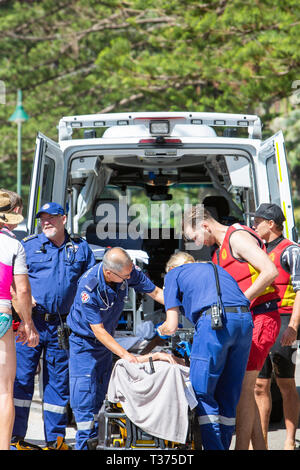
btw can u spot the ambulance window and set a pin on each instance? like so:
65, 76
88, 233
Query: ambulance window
48, 180
273, 180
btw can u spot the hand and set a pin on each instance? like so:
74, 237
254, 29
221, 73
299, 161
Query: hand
130, 357
27, 333
162, 356
33, 301
160, 334
288, 336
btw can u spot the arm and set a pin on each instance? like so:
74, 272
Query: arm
21, 297
110, 343
290, 334
291, 259
157, 295
169, 327
22, 304
244, 246
161, 356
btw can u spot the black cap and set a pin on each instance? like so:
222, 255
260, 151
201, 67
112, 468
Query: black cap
270, 212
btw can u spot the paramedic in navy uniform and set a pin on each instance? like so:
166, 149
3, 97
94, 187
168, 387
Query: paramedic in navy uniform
93, 318
219, 357
55, 263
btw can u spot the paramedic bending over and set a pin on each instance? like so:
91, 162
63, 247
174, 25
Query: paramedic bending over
13, 271
218, 357
93, 318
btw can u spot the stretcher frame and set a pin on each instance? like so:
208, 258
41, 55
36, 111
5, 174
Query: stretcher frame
118, 432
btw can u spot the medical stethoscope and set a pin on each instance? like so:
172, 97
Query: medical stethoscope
70, 250
106, 301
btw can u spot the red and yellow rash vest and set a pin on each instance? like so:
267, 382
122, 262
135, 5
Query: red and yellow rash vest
244, 273
283, 280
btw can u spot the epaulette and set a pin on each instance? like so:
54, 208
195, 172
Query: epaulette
91, 284
30, 237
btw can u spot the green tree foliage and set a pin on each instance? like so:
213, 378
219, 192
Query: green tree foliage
86, 56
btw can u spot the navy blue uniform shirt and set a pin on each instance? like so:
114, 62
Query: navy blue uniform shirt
54, 271
97, 302
193, 287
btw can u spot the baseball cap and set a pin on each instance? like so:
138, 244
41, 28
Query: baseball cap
51, 208
270, 212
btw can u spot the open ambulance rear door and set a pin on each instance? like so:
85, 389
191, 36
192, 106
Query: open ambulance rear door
46, 179
273, 162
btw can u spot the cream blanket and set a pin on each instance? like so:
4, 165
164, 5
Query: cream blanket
158, 402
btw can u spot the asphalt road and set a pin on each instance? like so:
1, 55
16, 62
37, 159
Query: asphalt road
35, 432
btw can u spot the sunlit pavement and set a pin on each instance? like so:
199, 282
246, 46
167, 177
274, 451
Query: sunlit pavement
35, 433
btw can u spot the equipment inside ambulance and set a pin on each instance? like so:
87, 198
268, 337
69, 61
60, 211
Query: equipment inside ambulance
125, 180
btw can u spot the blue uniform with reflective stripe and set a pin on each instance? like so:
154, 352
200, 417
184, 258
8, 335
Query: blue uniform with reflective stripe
90, 361
218, 357
53, 273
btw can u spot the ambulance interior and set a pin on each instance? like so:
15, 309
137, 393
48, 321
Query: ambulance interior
137, 204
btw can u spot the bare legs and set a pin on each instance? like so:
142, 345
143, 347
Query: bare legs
247, 416
7, 377
290, 400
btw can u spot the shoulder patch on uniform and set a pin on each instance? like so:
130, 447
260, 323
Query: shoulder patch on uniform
85, 297
30, 237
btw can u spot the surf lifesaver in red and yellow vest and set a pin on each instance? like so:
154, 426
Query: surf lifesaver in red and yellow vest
283, 280
244, 273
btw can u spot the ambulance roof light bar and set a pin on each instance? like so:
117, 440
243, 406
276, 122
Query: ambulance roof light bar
158, 121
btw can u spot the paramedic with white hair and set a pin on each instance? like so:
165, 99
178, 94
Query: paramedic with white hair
93, 318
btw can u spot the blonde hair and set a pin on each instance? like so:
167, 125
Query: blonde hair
179, 258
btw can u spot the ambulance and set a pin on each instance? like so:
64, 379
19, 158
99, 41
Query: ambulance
125, 179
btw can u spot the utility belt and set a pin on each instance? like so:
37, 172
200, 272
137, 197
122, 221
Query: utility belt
270, 306
63, 331
87, 338
49, 317
235, 309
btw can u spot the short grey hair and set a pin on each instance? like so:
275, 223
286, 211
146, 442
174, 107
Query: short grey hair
115, 259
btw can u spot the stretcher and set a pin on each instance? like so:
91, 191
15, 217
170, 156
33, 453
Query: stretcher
118, 432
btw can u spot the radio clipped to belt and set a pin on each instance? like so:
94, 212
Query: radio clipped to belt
216, 309
63, 333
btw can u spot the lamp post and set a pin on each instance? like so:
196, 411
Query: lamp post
19, 116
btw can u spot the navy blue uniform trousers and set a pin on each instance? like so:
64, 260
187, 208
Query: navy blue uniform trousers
218, 363
90, 368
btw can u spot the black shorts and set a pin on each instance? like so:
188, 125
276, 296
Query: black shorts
281, 359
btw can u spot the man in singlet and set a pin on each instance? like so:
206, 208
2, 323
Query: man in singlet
268, 224
13, 271
241, 253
